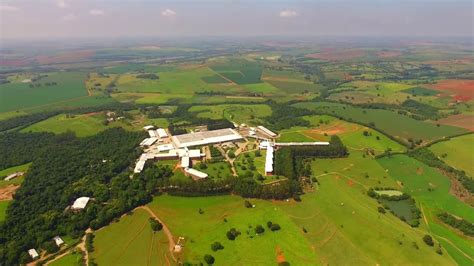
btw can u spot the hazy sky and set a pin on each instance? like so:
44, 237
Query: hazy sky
128, 18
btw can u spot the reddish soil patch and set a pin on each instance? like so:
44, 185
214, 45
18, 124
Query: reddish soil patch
14, 62
388, 54
460, 89
279, 255
460, 120
67, 57
337, 55
7, 192
348, 77
350, 183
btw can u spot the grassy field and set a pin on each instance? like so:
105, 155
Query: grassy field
3, 209
130, 241
11, 170
457, 152
18, 95
399, 126
82, 125
71, 259
239, 113
217, 169
431, 191
239, 71
201, 230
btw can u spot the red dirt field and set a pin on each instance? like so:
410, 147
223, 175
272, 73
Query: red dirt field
460, 120
14, 62
64, 57
460, 89
337, 55
388, 54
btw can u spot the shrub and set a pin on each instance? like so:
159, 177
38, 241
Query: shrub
275, 227
381, 209
232, 234
217, 246
155, 224
209, 259
428, 240
259, 229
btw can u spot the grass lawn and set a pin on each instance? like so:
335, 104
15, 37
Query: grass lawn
457, 152
71, 259
3, 209
17, 95
201, 230
130, 241
431, 191
11, 170
239, 113
217, 169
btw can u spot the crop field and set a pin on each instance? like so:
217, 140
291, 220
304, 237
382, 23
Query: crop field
130, 241
221, 213
460, 120
461, 90
290, 86
431, 191
263, 87
82, 125
71, 259
399, 126
337, 55
240, 113
457, 152
214, 79
240, 71
124, 68
16, 96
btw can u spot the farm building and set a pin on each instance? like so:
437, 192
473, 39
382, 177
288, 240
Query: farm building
206, 137
318, 143
267, 131
146, 128
58, 241
269, 161
165, 147
139, 166
14, 175
80, 203
33, 254
195, 174
161, 133
152, 133
148, 142
185, 162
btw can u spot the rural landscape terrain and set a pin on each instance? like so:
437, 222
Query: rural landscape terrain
370, 147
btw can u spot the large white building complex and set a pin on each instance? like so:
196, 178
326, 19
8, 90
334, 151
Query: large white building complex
206, 137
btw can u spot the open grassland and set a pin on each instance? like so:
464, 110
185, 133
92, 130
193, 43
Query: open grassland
239, 71
82, 125
124, 68
344, 227
243, 164
457, 152
71, 259
220, 214
130, 241
239, 113
11, 170
263, 88
460, 120
398, 126
15, 96
431, 191
217, 170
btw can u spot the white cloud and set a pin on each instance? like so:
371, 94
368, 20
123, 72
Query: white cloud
168, 13
96, 12
8, 8
69, 17
62, 3
288, 13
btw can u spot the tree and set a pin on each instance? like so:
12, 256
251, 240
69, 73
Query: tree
428, 240
381, 209
217, 246
209, 259
259, 229
248, 204
258, 153
231, 154
155, 224
275, 227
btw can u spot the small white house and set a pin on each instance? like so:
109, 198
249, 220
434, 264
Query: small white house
58, 241
80, 203
33, 254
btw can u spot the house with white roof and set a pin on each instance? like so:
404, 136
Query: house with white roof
33, 254
58, 241
80, 203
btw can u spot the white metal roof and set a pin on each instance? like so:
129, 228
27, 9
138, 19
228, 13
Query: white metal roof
185, 162
264, 145
195, 173
152, 133
206, 137
317, 143
14, 175
267, 131
161, 133
148, 141
80, 203
269, 160
194, 153
165, 147
33, 253
139, 167
58, 241
148, 127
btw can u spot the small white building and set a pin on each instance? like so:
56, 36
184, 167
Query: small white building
269, 161
149, 127
195, 174
266, 131
264, 145
58, 241
33, 254
161, 133
165, 147
139, 166
80, 203
14, 175
148, 142
185, 162
152, 133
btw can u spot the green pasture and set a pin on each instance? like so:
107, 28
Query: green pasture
239, 71
216, 170
130, 241
399, 126
262, 87
3, 209
11, 170
457, 152
71, 259
214, 79
290, 86
220, 214
125, 68
431, 191
242, 164
239, 113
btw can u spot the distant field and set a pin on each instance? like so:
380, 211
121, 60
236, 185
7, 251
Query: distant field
240, 71
460, 120
457, 152
399, 126
130, 241
239, 113
15, 96
417, 179
214, 79
182, 216
294, 87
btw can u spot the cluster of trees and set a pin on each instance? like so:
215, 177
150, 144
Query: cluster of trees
232, 234
155, 224
25, 120
426, 156
285, 116
63, 169
147, 76
464, 226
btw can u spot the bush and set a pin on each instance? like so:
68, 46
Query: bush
217, 246
232, 234
209, 259
269, 224
428, 240
381, 209
155, 224
248, 204
275, 227
259, 229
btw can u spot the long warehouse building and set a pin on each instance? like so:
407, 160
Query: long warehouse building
206, 137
